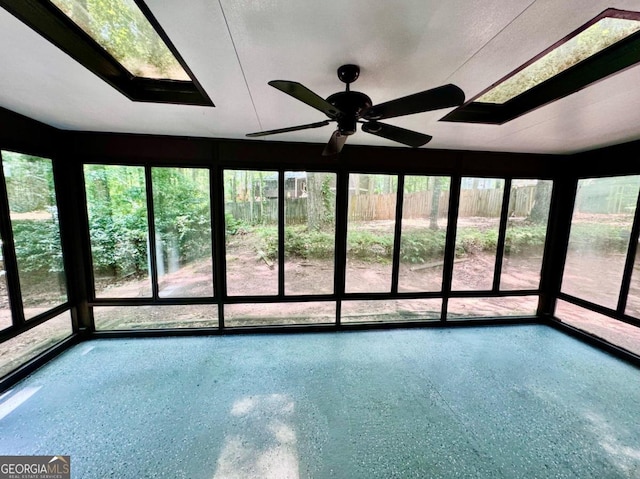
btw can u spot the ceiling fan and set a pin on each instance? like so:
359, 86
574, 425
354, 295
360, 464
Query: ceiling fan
348, 108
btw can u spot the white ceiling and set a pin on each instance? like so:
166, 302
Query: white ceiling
234, 47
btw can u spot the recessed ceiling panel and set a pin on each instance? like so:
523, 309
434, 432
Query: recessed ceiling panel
127, 35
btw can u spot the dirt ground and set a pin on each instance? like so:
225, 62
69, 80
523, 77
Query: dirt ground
250, 273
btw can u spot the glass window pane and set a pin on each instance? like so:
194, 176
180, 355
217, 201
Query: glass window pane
390, 310
251, 226
310, 204
529, 202
424, 230
119, 231
120, 27
633, 298
585, 44
616, 332
182, 216
279, 314
36, 232
469, 308
599, 239
477, 233
5, 306
156, 317
370, 232
18, 350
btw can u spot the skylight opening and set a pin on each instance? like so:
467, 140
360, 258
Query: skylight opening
122, 29
605, 45
600, 35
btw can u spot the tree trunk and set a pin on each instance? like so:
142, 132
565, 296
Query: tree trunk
320, 200
540, 211
435, 203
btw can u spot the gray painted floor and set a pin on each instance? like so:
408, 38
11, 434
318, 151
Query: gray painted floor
489, 402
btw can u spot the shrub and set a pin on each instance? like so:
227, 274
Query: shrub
369, 246
37, 246
418, 246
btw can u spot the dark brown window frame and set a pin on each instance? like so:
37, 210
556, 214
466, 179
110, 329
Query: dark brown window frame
614, 59
47, 20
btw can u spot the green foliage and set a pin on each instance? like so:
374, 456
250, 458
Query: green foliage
34, 223
116, 199
37, 246
420, 246
304, 243
328, 201
29, 181
590, 41
300, 242
268, 240
182, 213
415, 184
116, 202
520, 239
599, 237
233, 226
370, 246
470, 240
122, 30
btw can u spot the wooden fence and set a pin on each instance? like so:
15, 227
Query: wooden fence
483, 203
266, 211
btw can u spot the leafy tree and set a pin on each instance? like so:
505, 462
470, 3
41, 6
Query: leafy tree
121, 28
29, 181
182, 212
116, 202
117, 206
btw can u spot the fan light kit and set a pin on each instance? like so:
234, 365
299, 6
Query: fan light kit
348, 108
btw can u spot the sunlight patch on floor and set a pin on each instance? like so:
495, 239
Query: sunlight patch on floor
13, 401
261, 442
626, 458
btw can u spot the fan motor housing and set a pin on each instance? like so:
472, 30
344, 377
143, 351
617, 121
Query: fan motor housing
351, 103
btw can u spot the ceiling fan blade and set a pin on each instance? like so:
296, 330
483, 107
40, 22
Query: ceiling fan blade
302, 93
441, 97
291, 128
395, 133
336, 142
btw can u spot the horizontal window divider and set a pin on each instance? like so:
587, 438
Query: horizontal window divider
96, 302
151, 302
612, 313
382, 296
15, 330
493, 294
519, 319
593, 340
279, 299
629, 320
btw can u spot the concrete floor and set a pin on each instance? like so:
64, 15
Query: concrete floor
486, 402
